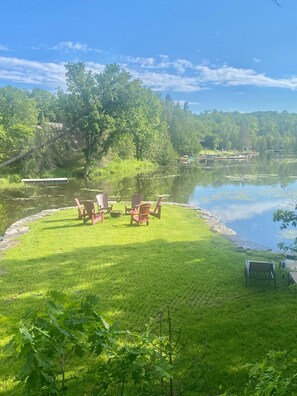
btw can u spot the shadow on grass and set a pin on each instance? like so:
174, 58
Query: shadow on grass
66, 226
50, 221
202, 281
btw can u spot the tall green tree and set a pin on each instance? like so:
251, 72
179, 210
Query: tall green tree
182, 128
91, 105
46, 105
18, 119
149, 131
17, 107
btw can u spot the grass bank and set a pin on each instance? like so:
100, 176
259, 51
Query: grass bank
116, 169
137, 272
121, 168
11, 184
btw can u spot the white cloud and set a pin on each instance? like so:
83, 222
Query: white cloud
140, 61
95, 67
256, 60
166, 82
162, 62
70, 46
31, 72
245, 211
231, 76
161, 74
191, 77
183, 101
3, 48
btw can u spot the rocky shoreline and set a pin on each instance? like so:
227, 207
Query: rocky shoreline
20, 227
215, 225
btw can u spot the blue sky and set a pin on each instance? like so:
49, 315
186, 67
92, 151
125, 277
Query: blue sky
229, 55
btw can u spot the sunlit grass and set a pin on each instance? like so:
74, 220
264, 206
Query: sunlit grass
120, 168
7, 184
174, 262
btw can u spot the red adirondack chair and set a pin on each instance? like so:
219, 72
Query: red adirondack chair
141, 214
80, 209
136, 201
157, 210
102, 200
91, 214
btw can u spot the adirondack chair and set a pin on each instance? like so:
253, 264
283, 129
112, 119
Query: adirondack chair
91, 214
157, 210
135, 202
102, 200
141, 214
80, 209
259, 270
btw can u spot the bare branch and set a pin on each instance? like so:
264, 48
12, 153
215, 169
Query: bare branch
277, 3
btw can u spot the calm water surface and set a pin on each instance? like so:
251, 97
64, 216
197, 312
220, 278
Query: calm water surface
243, 195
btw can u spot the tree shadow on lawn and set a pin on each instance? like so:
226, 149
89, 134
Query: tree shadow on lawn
80, 223
203, 286
151, 274
64, 226
57, 220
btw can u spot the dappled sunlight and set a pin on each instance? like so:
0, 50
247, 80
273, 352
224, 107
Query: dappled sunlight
138, 272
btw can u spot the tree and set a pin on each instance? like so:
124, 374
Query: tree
63, 329
46, 105
90, 106
287, 218
17, 107
182, 128
186, 106
144, 122
18, 121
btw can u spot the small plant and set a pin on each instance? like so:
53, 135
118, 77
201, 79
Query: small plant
275, 375
14, 178
47, 339
50, 340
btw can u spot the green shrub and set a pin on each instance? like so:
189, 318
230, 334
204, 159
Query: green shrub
275, 375
66, 332
15, 178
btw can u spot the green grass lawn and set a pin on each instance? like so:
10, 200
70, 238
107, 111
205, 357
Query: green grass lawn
174, 262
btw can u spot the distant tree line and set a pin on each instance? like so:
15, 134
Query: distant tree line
111, 114
259, 131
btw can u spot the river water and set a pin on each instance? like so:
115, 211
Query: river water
242, 194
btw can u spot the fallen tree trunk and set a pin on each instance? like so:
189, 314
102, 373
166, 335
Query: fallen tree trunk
31, 151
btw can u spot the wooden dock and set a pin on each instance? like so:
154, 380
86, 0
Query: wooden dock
51, 180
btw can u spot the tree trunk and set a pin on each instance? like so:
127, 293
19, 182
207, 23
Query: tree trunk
87, 169
28, 153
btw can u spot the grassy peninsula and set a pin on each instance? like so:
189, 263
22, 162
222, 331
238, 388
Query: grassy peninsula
137, 272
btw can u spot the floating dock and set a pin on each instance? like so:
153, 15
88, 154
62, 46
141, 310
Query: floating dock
52, 180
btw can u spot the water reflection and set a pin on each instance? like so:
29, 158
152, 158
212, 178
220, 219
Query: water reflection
243, 194
244, 211
247, 196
